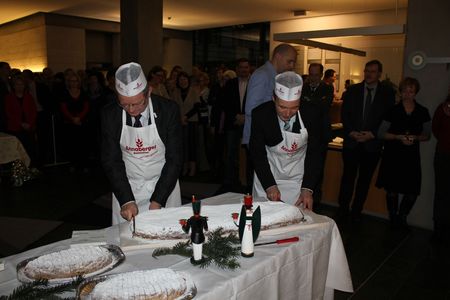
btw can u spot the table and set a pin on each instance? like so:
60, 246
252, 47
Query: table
309, 269
11, 149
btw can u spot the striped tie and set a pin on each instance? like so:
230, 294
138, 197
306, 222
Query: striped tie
287, 126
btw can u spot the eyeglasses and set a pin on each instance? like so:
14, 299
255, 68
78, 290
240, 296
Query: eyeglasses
130, 106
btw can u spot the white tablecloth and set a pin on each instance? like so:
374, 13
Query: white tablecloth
309, 269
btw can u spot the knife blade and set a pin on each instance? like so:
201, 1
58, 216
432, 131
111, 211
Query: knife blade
282, 241
134, 225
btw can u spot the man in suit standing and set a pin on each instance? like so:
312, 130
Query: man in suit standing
286, 157
315, 102
363, 108
141, 147
260, 89
234, 109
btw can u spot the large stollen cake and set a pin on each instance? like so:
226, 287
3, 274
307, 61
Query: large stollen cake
164, 224
144, 285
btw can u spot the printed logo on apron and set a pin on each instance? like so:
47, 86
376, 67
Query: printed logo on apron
140, 149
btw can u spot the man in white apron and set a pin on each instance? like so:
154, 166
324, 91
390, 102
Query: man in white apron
141, 147
278, 145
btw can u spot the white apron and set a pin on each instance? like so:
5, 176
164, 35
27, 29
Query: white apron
143, 153
287, 163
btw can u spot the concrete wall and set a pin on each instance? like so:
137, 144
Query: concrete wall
99, 47
431, 38
66, 48
177, 52
25, 48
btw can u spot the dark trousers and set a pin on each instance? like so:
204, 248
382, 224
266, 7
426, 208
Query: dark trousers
250, 171
190, 141
359, 166
217, 163
406, 205
441, 209
44, 138
76, 144
317, 195
233, 146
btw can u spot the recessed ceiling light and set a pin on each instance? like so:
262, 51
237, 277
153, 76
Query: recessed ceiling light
299, 12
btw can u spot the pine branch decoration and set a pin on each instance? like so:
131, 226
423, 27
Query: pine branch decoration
181, 248
40, 289
220, 249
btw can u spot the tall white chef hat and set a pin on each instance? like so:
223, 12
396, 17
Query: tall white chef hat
288, 86
130, 80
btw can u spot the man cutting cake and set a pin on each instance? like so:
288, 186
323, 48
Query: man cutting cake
141, 147
285, 154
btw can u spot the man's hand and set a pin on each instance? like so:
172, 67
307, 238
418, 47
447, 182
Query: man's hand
240, 118
154, 205
76, 121
273, 193
406, 140
129, 211
306, 199
354, 135
364, 136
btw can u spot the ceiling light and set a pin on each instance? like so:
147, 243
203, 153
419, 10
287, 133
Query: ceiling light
299, 12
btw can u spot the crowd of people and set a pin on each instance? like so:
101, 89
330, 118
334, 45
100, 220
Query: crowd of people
229, 111
48, 111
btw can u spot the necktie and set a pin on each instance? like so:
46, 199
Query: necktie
287, 125
137, 122
367, 104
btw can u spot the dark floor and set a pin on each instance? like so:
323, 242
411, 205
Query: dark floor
384, 263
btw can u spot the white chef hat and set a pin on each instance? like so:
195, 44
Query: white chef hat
288, 86
130, 80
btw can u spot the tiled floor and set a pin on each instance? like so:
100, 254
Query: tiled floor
384, 263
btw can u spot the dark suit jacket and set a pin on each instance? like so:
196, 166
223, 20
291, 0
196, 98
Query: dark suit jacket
352, 114
232, 103
316, 105
266, 132
169, 129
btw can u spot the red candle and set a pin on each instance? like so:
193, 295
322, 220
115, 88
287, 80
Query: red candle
248, 200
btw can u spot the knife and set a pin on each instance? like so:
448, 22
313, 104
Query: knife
134, 226
279, 242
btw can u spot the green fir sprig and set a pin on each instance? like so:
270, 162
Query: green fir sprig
220, 249
40, 289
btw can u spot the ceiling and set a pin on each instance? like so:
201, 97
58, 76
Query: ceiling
198, 14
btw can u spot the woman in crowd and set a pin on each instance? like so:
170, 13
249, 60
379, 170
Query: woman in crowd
404, 127
21, 115
75, 108
187, 98
171, 82
441, 130
155, 79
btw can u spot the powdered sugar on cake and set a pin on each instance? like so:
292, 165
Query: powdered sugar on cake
164, 223
68, 263
148, 284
